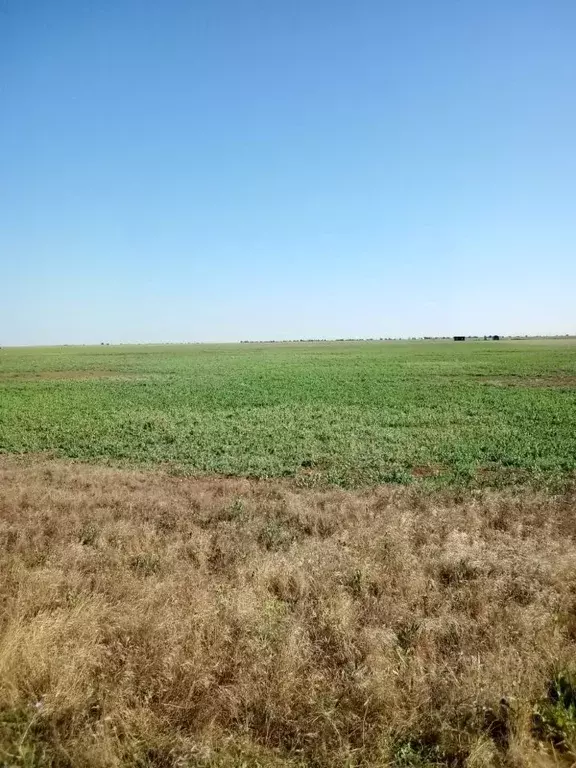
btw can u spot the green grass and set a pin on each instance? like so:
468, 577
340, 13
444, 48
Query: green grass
555, 716
344, 413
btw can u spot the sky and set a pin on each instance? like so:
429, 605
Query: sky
217, 170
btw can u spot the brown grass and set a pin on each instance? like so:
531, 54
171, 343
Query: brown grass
156, 621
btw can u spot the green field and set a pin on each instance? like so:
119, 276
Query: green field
352, 414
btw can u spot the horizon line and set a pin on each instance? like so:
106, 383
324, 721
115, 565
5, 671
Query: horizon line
319, 340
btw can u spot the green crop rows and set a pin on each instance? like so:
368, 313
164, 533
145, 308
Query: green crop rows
484, 413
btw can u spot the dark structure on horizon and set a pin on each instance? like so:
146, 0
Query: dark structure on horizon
459, 338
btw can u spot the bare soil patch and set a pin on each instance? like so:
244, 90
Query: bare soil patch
149, 620
564, 381
65, 375
428, 470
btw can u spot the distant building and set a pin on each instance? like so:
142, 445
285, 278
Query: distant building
459, 338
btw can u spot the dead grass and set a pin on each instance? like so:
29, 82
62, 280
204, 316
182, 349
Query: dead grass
155, 621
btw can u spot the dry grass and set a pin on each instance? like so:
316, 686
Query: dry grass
155, 621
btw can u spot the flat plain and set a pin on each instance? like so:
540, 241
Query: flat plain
317, 555
348, 414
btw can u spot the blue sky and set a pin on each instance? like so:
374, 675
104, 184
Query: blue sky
246, 169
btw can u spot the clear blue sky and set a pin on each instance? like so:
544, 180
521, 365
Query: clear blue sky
244, 169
